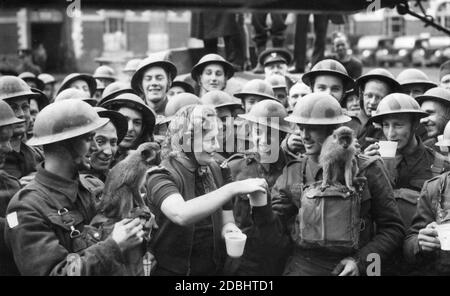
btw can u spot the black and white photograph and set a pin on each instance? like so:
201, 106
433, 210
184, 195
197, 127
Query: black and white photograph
224, 144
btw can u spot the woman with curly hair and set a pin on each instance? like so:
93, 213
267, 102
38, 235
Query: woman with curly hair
191, 196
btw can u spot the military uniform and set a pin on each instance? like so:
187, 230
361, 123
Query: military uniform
254, 261
8, 187
46, 223
382, 230
433, 205
22, 163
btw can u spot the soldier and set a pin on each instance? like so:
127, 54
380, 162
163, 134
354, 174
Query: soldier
107, 139
372, 87
399, 116
422, 245
178, 87
211, 73
225, 105
22, 160
46, 220
152, 80
104, 76
435, 102
36, 105
350, 102
84, 82
279, 88
318, 115
327, 76
49, 85
77, 94
254, 91
297, 91
32, 80
276, 61
414, 82
141, 122
8, 184
268, 129
115, 89
191, 200
444, 75
130, 68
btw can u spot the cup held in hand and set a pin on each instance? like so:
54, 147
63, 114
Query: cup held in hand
258, 199
443, 231
235, 243
387, 149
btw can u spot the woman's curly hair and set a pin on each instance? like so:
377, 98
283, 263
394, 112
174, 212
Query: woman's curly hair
180, 133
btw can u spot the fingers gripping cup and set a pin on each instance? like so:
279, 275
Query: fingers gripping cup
257, 199
235, 243
387, 149
443, 231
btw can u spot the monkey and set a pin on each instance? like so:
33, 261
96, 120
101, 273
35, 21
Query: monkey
121, 196
337, 157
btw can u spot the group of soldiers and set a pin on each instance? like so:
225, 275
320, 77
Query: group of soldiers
243, 159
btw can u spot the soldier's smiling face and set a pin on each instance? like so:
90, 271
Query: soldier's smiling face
313, 136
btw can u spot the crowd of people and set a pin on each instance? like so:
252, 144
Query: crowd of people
250, 161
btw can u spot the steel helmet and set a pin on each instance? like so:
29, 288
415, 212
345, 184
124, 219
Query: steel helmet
439, 94
318, 109
397, 103
329, 67
73, 93
117, 119
146, 64
219, 98
134, 102
64, 120
177, 102
274, 55
28, 76
105, 72
446, 136
115, 89
12, 87
65, 84
208, 59
264, 112
41, 99
380, 74
184, 85
257, 87
7, 116
46, 78
414, 76
132, 65
277, 81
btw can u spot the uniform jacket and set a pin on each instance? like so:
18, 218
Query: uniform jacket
24, 162
46, 223
378, 208
433, 205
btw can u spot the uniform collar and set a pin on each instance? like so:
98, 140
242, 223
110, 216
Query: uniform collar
416, 155
67, 187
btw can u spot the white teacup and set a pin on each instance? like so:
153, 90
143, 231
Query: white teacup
387, 149
235, 243
443, 231
443, 148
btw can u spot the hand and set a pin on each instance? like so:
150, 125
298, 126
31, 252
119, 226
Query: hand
428, 241
372, 150
294, 143
347, 267
128, 233
250, 185
229, 227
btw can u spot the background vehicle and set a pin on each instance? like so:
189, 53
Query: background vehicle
406, 50
368, 47
439, 50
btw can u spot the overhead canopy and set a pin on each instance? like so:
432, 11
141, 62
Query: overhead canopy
319, 6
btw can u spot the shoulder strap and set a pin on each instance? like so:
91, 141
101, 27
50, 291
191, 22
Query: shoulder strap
217, 173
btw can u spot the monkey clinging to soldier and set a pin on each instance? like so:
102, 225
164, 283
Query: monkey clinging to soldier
337, 157
121, 196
